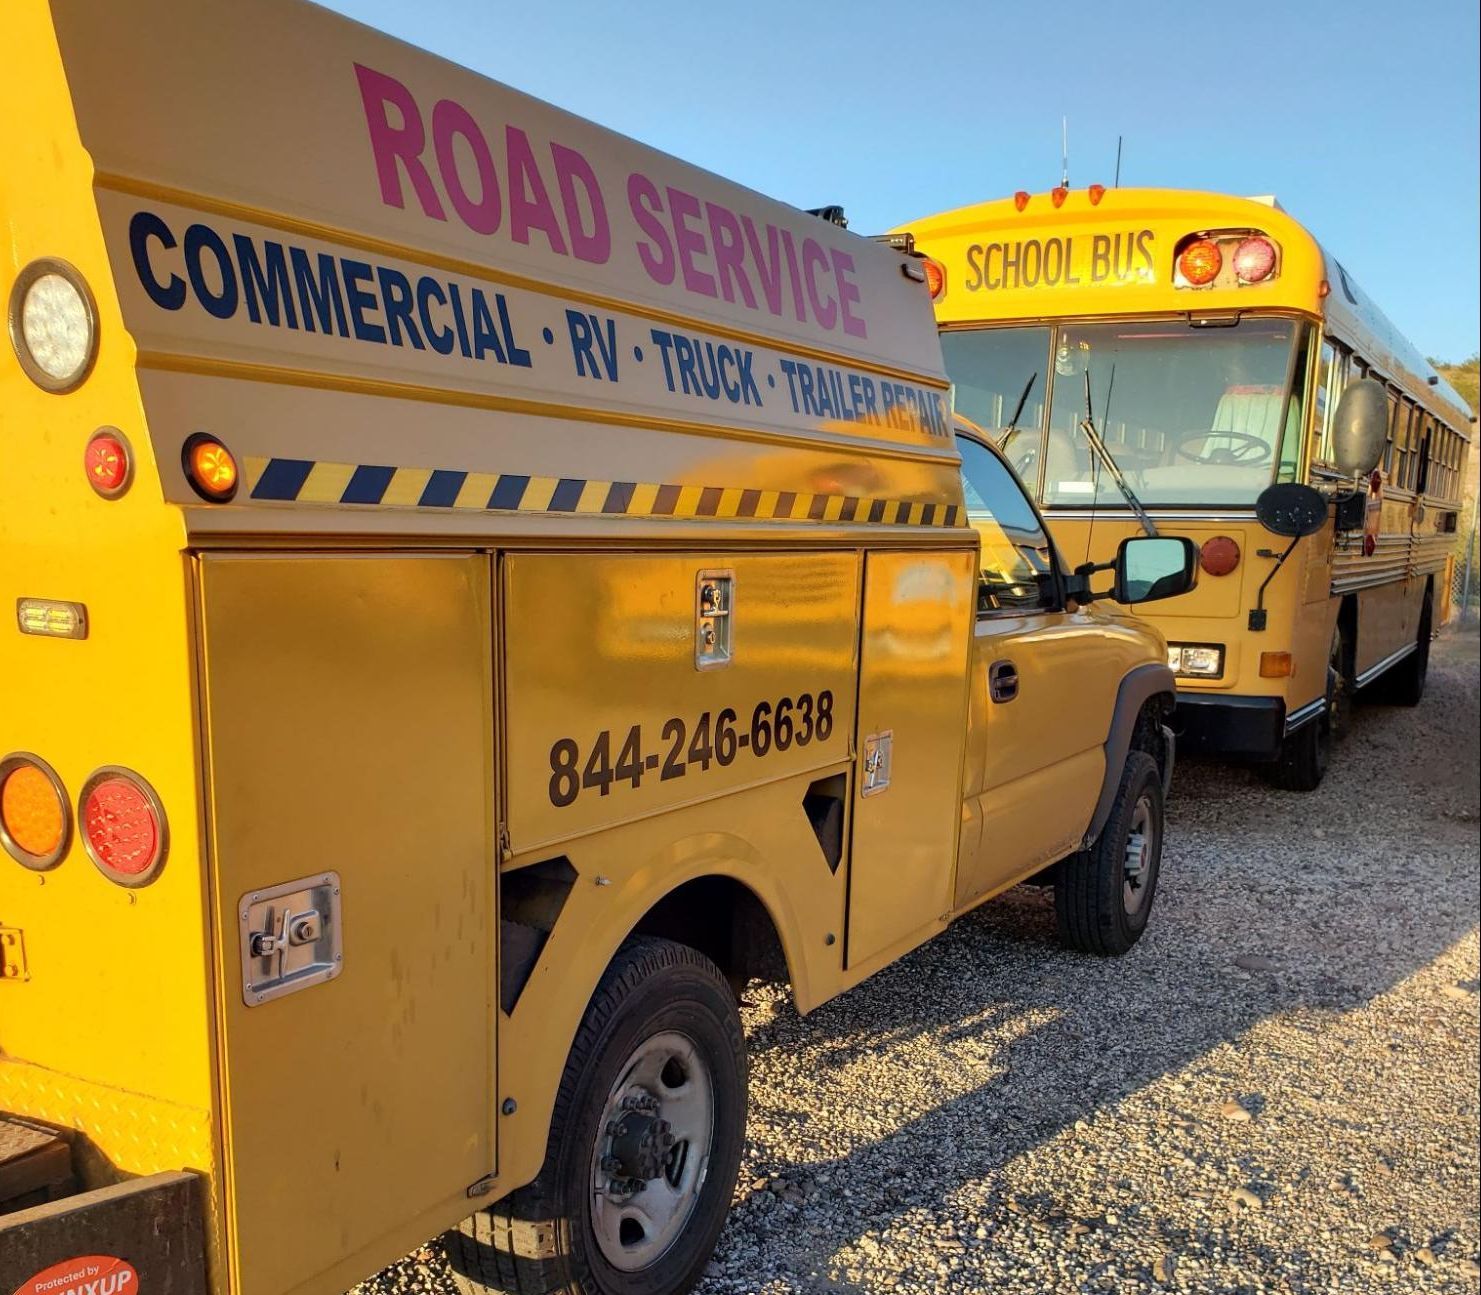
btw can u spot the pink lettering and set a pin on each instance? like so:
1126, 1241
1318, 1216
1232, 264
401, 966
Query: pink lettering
393, 144
684, 207
571, 169
449, 120
529, 203
730, 254
644, 202
848, 294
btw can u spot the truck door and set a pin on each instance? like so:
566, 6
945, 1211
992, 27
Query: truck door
349, 722
1042, 680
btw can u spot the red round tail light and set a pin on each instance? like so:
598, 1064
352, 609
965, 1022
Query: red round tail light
123, 826
1254, 260
1200, 262
107, 463
1219, 555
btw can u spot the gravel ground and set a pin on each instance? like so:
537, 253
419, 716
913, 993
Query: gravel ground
1276, 1091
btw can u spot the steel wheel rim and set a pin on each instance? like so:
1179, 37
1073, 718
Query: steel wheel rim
660, 1117
1141, 855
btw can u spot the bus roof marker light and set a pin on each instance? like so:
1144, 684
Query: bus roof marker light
53, 325
1200, 262
210, 468
1058, 194
1020, 199
1096, 192
1254, 260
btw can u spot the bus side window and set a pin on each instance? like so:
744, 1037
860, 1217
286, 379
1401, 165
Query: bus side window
1426, 441
1395, 407
1331, 379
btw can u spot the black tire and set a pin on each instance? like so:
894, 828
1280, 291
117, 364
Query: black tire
1306, 754
1099, 908
542, 1239
1404, 684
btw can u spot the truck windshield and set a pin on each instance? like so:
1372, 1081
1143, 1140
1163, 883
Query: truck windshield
1195, 416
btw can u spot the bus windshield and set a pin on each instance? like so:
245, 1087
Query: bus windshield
1193, 415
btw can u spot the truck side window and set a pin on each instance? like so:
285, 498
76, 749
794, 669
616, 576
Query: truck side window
1017, 562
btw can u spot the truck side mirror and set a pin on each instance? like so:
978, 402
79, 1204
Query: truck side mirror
1360, 427
1149, 567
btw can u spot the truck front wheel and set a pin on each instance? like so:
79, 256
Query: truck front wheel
1103, 895
645, 1142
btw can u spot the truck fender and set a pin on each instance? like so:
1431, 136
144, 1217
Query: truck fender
1137, 688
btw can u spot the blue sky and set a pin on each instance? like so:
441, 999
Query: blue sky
1360, 116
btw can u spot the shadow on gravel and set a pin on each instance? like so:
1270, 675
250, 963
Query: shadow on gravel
1312, 883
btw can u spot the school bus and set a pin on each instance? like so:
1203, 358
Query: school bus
482, 590
1207, 343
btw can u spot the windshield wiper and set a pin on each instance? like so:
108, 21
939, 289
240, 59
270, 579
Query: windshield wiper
1087, 425
1012, 430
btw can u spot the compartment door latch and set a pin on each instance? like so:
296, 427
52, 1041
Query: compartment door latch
290, 937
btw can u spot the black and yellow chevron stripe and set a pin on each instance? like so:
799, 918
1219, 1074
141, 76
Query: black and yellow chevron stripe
306, 481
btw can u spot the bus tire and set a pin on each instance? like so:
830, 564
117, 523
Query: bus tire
653, 1093
1341, 674
1404, 684
1103, 896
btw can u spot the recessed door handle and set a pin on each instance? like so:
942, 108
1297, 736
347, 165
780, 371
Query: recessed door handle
1002, 681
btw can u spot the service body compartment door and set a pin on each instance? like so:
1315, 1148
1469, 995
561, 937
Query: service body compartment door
622, 705
349, 719
918, 610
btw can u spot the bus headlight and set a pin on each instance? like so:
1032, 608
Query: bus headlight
53, 325
1196, 660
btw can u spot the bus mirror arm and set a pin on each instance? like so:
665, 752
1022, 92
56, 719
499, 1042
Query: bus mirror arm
1257, 614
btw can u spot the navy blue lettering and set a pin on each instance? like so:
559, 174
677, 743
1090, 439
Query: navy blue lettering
222, 304
356, 273
144, 226
484, 336
271, 281
320, 294
441, 339
397, 302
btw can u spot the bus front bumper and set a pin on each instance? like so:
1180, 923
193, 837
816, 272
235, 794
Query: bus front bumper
1245, 728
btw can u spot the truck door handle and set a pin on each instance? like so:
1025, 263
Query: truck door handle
1002, 681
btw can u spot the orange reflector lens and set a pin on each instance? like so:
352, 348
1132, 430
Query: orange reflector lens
1275, 665
1020, 199
1058, 194
106, 462
33, 813
122, 827
1200, 262
935, 279
210, 468
1096, 192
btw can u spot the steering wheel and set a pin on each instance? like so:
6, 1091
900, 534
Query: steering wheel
1244, 449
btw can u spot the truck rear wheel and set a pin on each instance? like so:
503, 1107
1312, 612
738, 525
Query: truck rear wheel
645, 1142
1103, 895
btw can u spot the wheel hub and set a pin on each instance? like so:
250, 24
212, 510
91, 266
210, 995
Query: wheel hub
641, 1144
1141, 844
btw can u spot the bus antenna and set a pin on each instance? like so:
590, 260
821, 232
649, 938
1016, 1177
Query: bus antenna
1064, 152
1116, 184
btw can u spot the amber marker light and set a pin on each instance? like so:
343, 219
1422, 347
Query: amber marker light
1096, 192
35, 821
1020, 199
107, 462
209, 467
1275, 665
935, 278
1200, 262
1058, 194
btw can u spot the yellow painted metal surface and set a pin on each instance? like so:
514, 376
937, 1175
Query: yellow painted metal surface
1032, 776
917, 620
609, 716
349, 714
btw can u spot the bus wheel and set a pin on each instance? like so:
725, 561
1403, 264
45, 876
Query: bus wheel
1103, 895
1305, 754
1404, 684
645, 1142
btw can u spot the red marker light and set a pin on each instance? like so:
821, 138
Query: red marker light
1254, 260
107, 464
1096, 193
209, 467
1200, 262
1219, 555
1058, 194
1020, 199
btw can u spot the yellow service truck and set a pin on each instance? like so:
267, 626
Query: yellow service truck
481, 588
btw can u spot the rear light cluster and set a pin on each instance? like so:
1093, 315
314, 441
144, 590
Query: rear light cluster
1221, 260
119, 818
1219, 556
